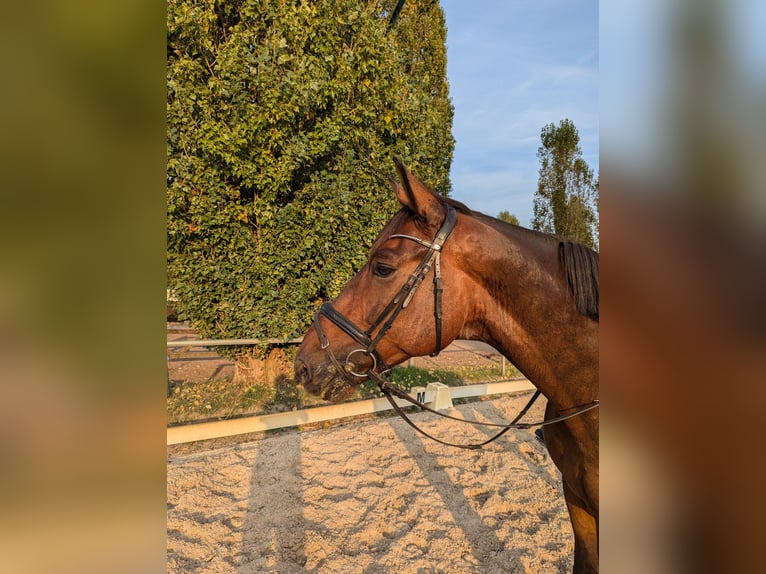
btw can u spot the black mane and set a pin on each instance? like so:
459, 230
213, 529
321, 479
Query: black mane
580, 265
459, 207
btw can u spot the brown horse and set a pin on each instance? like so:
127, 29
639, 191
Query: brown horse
530, 295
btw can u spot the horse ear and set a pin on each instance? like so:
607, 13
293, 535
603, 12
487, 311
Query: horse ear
417, 196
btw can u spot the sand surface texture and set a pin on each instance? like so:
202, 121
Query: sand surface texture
372, 497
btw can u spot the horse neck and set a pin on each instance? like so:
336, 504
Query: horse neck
522, 307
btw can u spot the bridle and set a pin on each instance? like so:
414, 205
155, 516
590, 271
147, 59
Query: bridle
369, 339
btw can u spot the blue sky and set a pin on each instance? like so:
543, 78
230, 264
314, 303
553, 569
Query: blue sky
513, 67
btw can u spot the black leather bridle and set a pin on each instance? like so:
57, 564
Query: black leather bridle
369, 340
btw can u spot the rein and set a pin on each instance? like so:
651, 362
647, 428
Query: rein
389, 391
369, 341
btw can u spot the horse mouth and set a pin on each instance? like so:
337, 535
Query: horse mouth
323, 381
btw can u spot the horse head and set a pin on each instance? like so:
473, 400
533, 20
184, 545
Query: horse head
391, 310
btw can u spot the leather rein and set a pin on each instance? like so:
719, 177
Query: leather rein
369, 340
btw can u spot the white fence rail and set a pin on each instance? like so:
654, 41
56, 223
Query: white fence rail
260, 423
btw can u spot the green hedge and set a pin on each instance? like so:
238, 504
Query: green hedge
282, 121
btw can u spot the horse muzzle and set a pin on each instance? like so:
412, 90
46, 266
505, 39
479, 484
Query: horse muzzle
323, 379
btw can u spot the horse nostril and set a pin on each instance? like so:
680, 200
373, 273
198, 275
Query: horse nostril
302, 372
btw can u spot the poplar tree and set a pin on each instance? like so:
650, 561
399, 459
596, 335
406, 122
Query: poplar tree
566, 201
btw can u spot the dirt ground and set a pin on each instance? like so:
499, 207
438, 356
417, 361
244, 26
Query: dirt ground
369, 496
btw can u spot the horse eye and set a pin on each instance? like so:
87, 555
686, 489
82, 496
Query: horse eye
381, 270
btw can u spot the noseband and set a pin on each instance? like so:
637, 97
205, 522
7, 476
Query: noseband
369, 339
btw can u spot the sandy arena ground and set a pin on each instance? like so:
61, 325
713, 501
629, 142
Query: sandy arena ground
372, 497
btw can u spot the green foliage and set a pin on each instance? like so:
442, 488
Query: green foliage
407, 377
282, 121
566, 202
508, 217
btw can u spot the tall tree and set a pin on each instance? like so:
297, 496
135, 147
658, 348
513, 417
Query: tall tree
566, 201
282, 119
